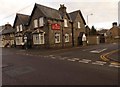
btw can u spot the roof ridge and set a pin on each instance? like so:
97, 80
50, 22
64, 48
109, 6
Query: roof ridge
75, 11
47, 7
22, 14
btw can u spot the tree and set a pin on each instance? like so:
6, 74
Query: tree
93, 31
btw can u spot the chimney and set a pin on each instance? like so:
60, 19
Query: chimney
114, 24
62, 9
8, 26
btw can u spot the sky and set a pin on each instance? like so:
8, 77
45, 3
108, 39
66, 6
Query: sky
105, 12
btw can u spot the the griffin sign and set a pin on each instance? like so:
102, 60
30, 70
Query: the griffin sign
55, 26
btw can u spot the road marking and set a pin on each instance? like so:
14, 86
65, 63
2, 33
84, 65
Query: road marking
104, 56
85, 61
76, 58
53, 57
99, 62
98, 51
112, 65
63, 58
71, 60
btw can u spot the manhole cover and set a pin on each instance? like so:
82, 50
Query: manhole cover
19, 71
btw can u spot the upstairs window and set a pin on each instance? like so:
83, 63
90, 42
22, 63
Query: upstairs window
66, 37
35, 23
21, 27
65, 23
17, 28
41, 22
57, 38
78, 24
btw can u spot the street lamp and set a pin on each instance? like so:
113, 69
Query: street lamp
87, 17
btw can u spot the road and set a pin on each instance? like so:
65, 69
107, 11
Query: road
71, 66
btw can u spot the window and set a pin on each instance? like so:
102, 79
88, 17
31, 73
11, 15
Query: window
78, 24
41, 22
35, 23
21, 27
66, 37
17, 28
38, 38
65, 23
57, 38
19, 40
41, 36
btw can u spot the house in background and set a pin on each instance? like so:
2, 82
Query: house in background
7, 36
103, 35
113, 34
1, 38
21, 26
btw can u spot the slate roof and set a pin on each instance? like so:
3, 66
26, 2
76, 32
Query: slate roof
23, 18
7, 31
49, 12
73, 15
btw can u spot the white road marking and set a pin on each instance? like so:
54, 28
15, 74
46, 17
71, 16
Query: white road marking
76, 58
98, 51
99, 62
112, 65
53, 57
85, 61
63, 58
71, 60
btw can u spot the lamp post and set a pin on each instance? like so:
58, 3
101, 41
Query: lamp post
88, 16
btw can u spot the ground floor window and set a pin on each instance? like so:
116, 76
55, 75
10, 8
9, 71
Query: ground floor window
38, 38
66, 37
57, 38
19, 40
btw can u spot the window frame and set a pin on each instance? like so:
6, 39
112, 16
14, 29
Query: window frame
67, 37
37, 39
78, 24
35, 23
21, 27
17, 28
65, 23
41, 21
57, 37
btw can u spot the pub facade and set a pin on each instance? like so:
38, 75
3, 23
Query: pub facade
52, 28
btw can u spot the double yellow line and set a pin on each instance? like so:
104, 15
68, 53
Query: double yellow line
104, 57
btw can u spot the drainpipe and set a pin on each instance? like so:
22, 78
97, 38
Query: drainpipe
72, 34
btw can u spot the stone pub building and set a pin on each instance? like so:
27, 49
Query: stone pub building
50, 28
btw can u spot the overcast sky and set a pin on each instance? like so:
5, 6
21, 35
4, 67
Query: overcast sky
105, 12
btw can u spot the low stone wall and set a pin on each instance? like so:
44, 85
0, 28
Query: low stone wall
93, 40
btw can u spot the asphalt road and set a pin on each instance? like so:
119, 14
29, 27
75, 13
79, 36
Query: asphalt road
72, 66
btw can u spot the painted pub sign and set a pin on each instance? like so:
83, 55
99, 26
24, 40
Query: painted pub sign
55, 26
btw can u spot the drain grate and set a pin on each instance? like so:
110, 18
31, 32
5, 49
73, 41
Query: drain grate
19, 71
